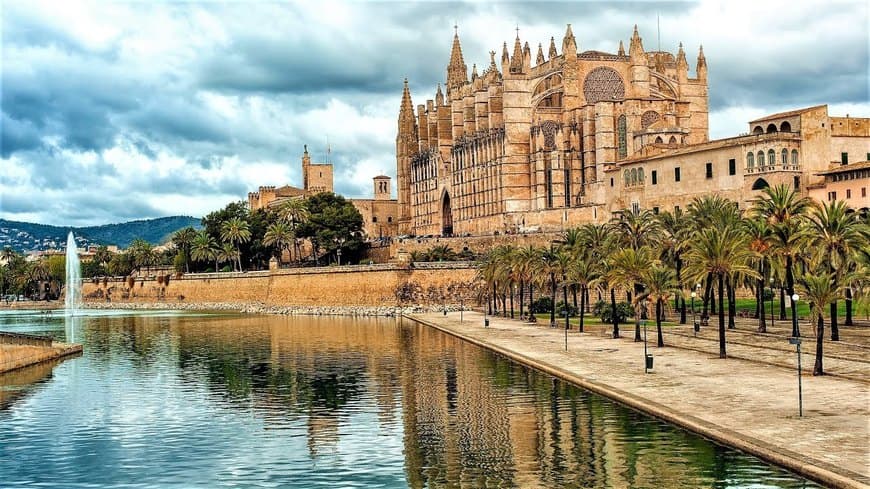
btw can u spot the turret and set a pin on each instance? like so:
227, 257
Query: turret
682, 65
457, 71
527, 58
621, 50
439, 97
635, 49
540, 58
406, 140
517, 58
505, 59
701, 68
553, 53
569, 44
306, 162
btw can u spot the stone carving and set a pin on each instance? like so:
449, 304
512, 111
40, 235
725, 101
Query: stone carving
549, 129
648, 118
603, 84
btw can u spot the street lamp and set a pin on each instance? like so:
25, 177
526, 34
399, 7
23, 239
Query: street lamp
695, 324
795, 340
339, 243
772, 296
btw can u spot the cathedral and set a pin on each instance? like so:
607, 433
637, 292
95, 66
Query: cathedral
522, 147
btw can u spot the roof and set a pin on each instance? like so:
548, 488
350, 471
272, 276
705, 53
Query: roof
289, 191
861, 165
383, 176
790, 113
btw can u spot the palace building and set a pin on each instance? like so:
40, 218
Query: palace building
577, 135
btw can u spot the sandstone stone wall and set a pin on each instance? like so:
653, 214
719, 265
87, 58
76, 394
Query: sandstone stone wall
354, 285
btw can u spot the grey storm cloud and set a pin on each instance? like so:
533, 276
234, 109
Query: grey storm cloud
133, 110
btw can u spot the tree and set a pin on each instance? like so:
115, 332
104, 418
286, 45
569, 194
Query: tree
759, 236
585, 271
660, 283
236, 231
837, 233
785, 210
332, 222
183, 239
721, 252
279, 235
204, 248
294, 213
675, 234
227, 253
819, 288
628, 268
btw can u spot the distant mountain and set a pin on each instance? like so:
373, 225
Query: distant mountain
26, 236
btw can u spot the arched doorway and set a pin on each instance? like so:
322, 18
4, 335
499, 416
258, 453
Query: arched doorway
760, 184
446, 215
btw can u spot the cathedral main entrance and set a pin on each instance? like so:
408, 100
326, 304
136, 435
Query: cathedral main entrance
446, 216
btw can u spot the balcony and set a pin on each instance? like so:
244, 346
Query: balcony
761, 170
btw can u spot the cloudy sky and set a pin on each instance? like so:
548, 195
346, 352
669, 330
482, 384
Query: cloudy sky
124, 110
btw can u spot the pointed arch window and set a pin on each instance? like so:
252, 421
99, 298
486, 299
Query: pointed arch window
750, 161
794, 157
784, 157
761, 160
771, 158
620, 131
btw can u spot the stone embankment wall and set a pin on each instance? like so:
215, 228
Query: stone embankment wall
13, 357
353, 285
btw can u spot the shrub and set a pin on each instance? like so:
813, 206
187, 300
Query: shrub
226, 268
542, 305
603, 310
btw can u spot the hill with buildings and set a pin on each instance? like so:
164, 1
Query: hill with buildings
26, 236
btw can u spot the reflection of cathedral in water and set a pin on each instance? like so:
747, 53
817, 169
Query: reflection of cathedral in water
469, 418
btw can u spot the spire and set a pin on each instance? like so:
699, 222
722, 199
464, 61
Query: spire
569, 44
517, 58
553, 52
439, 96
621, 50
407, 137
540, 59
505, 59
474, 72
457, 71
635, 49
527, 57
681, 58
701, 68
407, 106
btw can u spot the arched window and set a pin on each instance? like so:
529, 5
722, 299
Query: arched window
785, 127
633, 176
627, 177
659, 140
750, 160
784, 157
620, 131
673, 140
760, 184
794, 157
640, 176
761, 160
758, 130
771, 128
771, 158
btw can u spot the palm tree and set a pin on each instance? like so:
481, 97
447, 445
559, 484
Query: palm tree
204, 248
629, 266
785, 210
227, 253
759, 235
837, 233
526, 261
294, 213
820, 287
675, 237
552, 267
636, 227
584, 271
598, 240
723, 253
183, 238
236, 231
279, 235
705, 212
660, 283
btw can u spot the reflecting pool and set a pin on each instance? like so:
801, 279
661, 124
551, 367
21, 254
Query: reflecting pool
170, 399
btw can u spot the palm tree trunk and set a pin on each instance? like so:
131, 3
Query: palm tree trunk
504, 311
713, 301
818, 369
732, 307
582, 306
762, 323
565, 298
613, 315
512, 300
782, 304
707, 293
835, 331
682, 310
659, 306
522, 293
848, 321
489, 299
789, 278
721, 316
586, 296
637, 314
553, 298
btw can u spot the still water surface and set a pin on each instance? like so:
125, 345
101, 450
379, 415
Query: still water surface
168, 399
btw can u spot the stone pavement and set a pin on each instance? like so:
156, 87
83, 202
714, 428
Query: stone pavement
750, 405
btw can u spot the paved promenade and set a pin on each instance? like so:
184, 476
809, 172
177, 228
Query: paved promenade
749, 403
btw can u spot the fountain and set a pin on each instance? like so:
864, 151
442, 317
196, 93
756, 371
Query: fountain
73, 296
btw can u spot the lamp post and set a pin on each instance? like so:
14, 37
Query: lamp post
695, 325
339, 242
647, 358
796, 341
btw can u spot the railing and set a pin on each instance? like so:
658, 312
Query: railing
7, 338
771, 168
